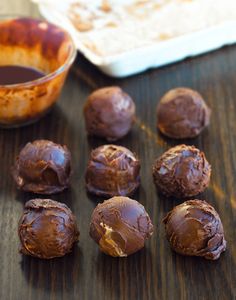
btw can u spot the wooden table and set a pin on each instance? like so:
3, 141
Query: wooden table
155, 272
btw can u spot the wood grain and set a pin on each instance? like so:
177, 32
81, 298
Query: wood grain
155, 272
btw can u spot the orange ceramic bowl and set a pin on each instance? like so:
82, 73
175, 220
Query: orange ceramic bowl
40, 45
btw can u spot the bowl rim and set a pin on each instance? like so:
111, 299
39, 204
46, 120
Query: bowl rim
68, 62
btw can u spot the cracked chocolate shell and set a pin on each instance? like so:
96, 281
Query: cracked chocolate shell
47, 229
181, 172
112, 171
43, 167
194, 228
120, 226
182, 113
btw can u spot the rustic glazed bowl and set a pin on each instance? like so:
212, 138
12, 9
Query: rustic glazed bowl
37, 44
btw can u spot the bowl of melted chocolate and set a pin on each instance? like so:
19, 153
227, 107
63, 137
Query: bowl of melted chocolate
34, 62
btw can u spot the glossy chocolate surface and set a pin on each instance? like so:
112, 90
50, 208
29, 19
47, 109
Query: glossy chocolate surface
43, 167
182, 113
194, 228
47, 229
181, 172
111, 171
109, 113
18, 74
120, 226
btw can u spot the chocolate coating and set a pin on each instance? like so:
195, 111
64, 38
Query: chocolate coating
181, 172
182, 113
120, 226
109, 113
112, 171
47, 229
194, 228
43, 167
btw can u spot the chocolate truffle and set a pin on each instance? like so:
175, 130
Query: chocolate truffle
182, 113
43, 167
194, 228
47, 229
181, 172
109, 113
120, 226
112, 171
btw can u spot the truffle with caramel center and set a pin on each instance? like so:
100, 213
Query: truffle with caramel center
120, 226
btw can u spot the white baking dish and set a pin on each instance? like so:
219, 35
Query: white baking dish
158, 54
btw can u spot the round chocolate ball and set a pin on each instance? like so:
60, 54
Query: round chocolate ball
109, 113
194, 228
182, 113
112, 171
181, 172
43, 167
120, 226
47, 229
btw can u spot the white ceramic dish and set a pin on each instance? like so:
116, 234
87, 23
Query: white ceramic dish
156, 55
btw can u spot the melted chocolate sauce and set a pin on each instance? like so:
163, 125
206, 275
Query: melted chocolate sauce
18, 74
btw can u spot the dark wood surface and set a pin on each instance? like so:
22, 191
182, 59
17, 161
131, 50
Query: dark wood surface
155, 272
